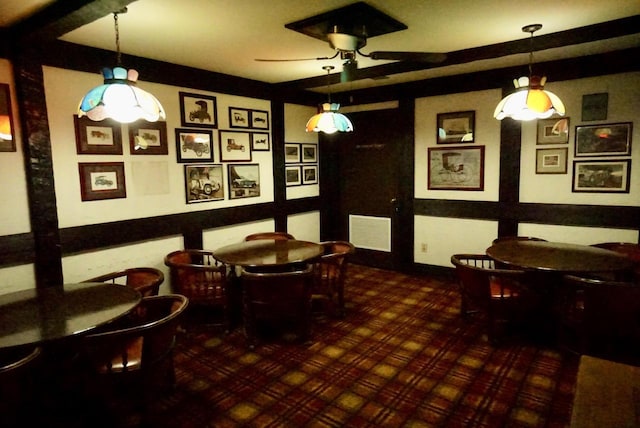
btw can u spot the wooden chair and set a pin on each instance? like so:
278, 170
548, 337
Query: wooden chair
200, 277
128, 362
277, 296
517, 238
600, 318
146, 280
330, 270
269, 235
501, 294
629, 249
18, 386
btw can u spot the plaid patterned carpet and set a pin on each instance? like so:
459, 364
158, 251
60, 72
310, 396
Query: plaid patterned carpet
402, 357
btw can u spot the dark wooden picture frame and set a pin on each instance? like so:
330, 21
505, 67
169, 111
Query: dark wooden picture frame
102, 180
203, 182
553, 131
456, 168
309, 153
194, 145
292, 153
292, 175
102, 137
309, 174
239, 117
198, 111
260, 142
259, 119
551, 161
148, 138
235, 146
601, 176
7, 129
244, 180
607, 139
595, 106
456, 127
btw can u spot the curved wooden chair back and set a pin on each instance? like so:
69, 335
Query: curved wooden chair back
199, 276
629, 249
18, 385
331, 270
279, 236
270, 296
146, 280
517, 238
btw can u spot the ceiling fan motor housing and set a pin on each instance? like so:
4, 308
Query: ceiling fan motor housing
346, 42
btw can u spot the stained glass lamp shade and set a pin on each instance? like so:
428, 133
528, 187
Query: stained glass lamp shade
329, 120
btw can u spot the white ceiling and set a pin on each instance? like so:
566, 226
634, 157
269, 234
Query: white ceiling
227, 36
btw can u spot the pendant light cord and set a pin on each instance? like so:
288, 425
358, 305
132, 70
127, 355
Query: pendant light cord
115, 22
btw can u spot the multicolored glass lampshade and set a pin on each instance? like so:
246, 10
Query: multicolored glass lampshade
329, 120
530, 101
120, 99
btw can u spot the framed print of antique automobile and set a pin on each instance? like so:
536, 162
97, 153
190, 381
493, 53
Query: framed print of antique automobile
203, 183
292, 175
551, 161
148, 138
103, 180
456, 168
7, 130
553, 131
603, 176
197, 110
102, 137
244, 180
239, 117
260, 142
194, 145
309, 174
611, 139
259, 119
235, 146
309, 153
455, 127
291, 153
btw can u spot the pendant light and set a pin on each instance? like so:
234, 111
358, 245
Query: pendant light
119, 98
329, 120
531, 100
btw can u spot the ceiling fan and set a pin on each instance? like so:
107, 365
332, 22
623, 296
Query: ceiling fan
347, 29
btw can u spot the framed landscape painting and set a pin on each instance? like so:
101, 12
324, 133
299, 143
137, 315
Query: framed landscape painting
611, 139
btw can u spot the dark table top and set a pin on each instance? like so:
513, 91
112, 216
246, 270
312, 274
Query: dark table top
39, 315
557, 257
268, 252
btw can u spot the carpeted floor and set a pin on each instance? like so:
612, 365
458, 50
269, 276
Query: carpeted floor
402, 357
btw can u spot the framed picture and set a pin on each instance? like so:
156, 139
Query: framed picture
235, 146
103, 180
7, 133
456, 168
102, 137
551, 161
292, 175
611, 139
291, 153
203, 183
148, 138
553, 131
194, 145
198, 111
239, 117
244, 180
309, 174
260, 142
595, 106
309, 153
455, 127
259, 119
604, 176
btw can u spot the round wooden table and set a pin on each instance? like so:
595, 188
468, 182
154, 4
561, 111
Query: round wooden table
41, 315
268, 253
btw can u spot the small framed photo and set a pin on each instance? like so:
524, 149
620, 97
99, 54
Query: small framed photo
148, 138
553, 131
455, 127
291, 153
456, 168
551, 161
611, 139
603, 176
595, 106
259, 119
198, 111
203, 183
235, 146
309, 174
102, 137
260, 142
292, 175
244, 180
194, 145
7, 130
309, 153
239, 117
102, 180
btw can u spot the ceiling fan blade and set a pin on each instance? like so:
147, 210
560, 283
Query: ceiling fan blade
434, 57
297, 59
